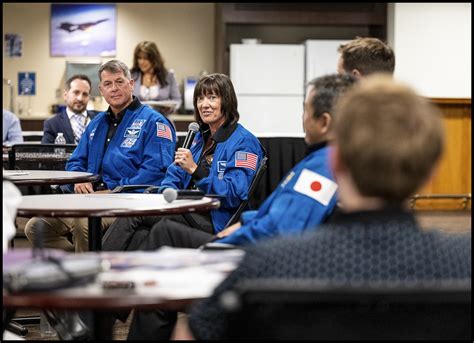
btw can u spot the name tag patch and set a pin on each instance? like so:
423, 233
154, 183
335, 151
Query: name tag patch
221, 169
287, 179
137, 124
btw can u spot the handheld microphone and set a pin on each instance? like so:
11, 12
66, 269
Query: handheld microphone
171, 194
193, 128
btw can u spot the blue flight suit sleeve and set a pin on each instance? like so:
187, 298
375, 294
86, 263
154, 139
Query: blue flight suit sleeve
289, 214
288, 211
175, 178
246, 216
235, 183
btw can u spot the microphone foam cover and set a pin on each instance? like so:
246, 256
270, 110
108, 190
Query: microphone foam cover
170, 194
193, 127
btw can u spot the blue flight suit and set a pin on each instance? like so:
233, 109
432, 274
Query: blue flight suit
235, 160
139, 152
288, 211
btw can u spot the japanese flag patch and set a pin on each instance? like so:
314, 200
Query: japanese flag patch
315, 186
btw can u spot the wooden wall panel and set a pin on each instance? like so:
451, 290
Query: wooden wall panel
453, 175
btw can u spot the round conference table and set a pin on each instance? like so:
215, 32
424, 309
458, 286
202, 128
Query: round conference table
168, 278
97, 205
47, 177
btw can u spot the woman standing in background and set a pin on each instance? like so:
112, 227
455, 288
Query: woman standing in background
152, 80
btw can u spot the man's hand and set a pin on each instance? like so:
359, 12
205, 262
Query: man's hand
184, 159
229, 230
83, 188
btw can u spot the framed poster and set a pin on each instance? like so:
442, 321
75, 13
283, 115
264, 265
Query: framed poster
83, 30
13, 45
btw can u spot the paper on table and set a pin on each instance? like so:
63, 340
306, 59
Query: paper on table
170, 273
170, 258
181, 283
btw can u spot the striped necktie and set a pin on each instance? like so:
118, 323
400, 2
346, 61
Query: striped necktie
78, 126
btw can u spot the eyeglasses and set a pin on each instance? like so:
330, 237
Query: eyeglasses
108, 85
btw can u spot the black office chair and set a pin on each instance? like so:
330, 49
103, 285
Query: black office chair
29, 156
307, 309
246, 204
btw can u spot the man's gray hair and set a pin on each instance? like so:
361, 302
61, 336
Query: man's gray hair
115, 66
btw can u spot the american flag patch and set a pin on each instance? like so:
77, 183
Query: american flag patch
246, 160
163, 131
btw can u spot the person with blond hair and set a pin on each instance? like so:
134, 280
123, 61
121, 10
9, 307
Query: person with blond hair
365, 56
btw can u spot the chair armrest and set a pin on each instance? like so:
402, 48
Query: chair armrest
218, 246
151, 189
126, 188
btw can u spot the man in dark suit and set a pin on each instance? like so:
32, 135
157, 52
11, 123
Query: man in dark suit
73, 120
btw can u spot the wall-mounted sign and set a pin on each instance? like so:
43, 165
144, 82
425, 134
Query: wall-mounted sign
26, 83
13, 45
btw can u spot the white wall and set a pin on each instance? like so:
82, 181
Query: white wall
432, 44
183, 32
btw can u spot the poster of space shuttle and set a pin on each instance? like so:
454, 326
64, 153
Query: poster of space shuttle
83, 30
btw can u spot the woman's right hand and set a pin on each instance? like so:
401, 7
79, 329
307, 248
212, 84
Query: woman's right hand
184, 159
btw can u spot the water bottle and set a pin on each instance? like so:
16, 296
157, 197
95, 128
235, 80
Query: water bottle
60, 140
45, 327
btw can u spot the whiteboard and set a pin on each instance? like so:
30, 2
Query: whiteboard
432, 44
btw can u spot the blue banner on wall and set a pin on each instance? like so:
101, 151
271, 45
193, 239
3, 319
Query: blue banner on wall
26, 83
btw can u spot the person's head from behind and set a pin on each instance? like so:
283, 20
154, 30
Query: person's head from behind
321, 96
147, 59
215, 102
364, 56
77, 93
116, 84
387, 142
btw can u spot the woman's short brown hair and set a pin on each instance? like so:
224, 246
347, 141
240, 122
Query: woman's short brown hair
220, 85
388, 137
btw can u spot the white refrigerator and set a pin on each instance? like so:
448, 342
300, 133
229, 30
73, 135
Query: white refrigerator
321, 57
269, 83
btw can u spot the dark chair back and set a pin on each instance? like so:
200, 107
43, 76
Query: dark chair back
246, 204
301, 309
40, 156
